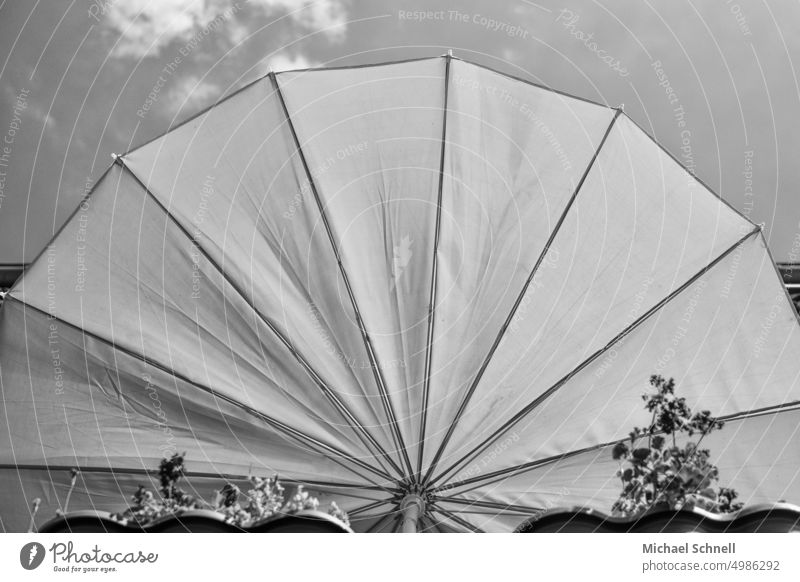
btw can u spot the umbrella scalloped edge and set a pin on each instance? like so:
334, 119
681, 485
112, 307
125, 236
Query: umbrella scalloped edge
195, 521
762, 518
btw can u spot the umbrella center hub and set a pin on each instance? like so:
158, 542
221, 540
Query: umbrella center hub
413, 506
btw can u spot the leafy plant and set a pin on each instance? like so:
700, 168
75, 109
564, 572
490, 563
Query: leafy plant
265, 498
656, 470
173, 500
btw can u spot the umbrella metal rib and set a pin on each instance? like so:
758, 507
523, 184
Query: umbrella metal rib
347, 415
501, 474
473, 386
317, 486
363, 508
550, 391
777, 408
453, 517
488, 504
376, 369
380, 523
434, 276
329, 451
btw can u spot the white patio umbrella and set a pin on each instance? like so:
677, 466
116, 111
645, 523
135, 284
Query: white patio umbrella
430, 291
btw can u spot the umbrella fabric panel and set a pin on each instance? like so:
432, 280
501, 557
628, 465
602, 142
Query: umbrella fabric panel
578, 479
71, 400
234, 180
640, 227
514, 154
761, 473
372, 138
768, 468
149, 291
497, 519
711, 340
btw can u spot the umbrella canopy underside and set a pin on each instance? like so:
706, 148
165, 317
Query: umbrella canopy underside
419, 276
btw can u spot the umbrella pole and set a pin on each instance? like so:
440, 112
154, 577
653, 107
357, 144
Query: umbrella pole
413, 507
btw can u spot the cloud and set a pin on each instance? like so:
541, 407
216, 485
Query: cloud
191, 93
145, 27
43, 117
280, 61
32, 109
237, 32
327, 16
283, 62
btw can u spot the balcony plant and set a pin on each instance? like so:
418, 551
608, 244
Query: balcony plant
265, 498
663, 466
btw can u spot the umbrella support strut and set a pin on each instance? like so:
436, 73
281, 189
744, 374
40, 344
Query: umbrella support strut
413, 508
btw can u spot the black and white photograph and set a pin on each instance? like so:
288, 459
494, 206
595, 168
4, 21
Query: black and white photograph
454, 266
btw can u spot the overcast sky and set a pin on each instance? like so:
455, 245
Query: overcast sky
75, 79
